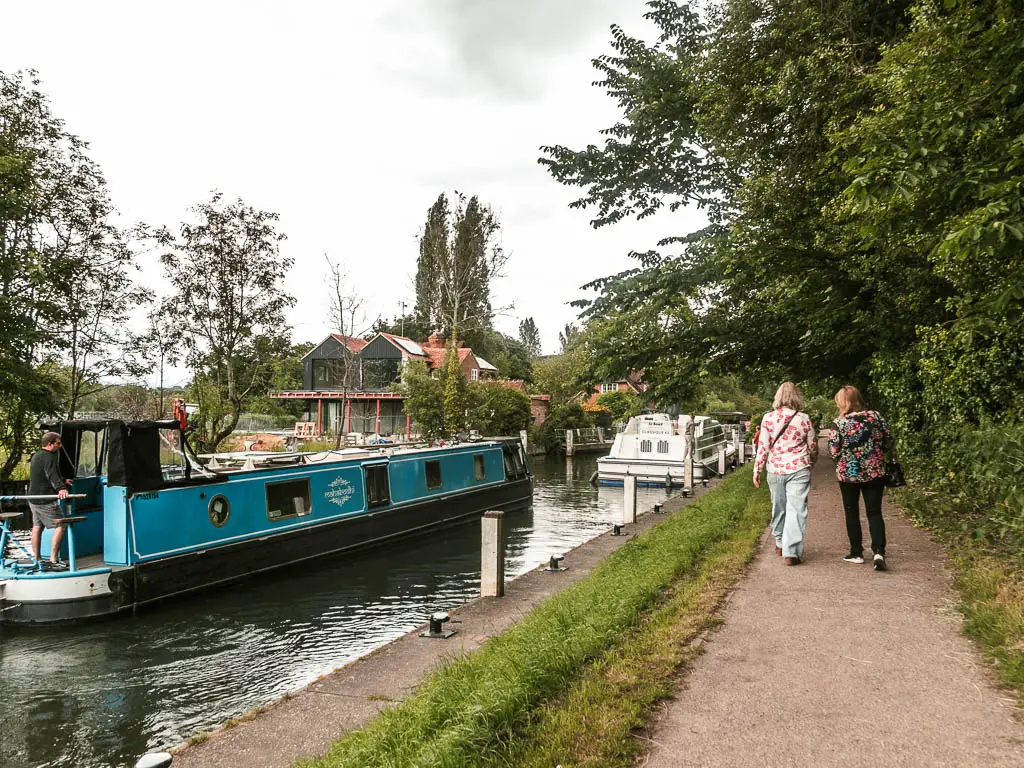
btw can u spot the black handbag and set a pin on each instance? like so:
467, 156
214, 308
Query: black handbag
894, 475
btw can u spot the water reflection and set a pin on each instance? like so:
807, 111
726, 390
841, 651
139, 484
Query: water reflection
101, 695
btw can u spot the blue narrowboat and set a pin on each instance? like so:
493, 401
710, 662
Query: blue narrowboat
150, 520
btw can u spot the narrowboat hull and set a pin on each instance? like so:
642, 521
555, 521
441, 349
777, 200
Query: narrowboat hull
150, 529
67, 598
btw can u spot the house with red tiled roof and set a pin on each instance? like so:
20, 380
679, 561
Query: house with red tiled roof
633, 382
360, 373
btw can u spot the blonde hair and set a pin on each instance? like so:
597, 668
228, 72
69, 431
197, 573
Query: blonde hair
849, 399
788, 396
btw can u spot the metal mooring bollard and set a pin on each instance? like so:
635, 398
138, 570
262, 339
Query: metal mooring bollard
686, 492
154, 760
616, 530
436, 629
657, 509
553, 564
704, 482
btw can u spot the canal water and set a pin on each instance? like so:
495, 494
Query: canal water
101, 695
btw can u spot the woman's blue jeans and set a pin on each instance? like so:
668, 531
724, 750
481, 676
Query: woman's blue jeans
789, 510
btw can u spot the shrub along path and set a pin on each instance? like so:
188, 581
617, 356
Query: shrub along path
832, 664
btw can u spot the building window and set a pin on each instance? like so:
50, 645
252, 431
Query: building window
378, 493
288, 499
607, 387
474, 374
478, 467
433, 469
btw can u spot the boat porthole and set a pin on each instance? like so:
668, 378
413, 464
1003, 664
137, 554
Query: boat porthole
220, 510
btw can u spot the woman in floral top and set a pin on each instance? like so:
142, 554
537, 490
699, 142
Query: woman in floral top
857, 445
788, 446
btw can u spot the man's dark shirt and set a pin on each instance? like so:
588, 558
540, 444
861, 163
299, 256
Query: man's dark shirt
44, 474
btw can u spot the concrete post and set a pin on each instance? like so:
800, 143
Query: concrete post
569, 449
721, 461
688, 470
492, 554
629, 500
600, 435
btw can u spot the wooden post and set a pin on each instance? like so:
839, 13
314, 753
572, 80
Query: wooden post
492, 554
688, 470
569, 449
629, 500
721, 461
408, 427
319, 416
377, 429
347, 427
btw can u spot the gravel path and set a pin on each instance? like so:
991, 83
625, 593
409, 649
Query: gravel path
833, 664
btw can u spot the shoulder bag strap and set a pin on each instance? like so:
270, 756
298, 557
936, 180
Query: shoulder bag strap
782, 431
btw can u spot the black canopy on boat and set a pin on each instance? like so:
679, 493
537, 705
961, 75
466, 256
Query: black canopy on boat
131, 451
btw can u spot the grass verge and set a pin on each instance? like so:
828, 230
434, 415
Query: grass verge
990, 587
584, 648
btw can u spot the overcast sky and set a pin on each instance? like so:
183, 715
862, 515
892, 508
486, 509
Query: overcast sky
347, 119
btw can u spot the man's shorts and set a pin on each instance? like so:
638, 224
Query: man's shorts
45, 514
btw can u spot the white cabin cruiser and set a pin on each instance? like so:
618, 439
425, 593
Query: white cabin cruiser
652, 448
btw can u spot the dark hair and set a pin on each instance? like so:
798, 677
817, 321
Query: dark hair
50, 438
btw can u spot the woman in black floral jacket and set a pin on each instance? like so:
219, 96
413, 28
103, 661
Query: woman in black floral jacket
857, 445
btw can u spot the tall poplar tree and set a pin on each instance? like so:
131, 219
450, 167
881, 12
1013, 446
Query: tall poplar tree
458, 259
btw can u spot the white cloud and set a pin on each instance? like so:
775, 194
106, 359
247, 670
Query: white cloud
347, 119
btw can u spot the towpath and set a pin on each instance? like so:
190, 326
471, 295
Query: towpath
308, 722
832, 664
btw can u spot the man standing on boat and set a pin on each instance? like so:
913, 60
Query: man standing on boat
690, 429
44, 480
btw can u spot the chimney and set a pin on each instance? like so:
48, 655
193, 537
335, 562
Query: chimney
435, 340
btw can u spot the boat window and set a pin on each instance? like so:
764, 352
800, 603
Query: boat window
645, 446
90, 452
172, 459
433, 469
663, 446
378, 492
288, 498
510, 468
478, 467
517, 460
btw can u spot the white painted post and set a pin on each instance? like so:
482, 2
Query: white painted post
522, 439
569, 449
492, 554
629, 500
688, 470
600, 435
741, 448
721, 460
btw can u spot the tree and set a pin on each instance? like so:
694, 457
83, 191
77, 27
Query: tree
621, 405
508, 355
226, 269
458, 259
423, 400
454, 393
529, 336
64, 289
495, 409
348, 317
568, 337
159, 346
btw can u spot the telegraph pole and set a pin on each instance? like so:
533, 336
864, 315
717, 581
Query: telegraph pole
402, 305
